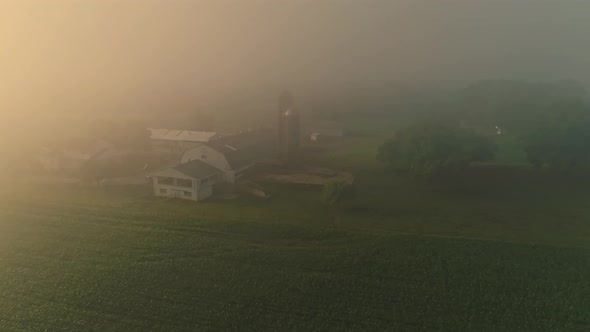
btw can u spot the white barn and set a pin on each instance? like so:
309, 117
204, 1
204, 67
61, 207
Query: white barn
193, 180
223, 161
233, 155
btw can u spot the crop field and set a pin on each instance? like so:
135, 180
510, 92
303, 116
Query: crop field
494, 249
75, 259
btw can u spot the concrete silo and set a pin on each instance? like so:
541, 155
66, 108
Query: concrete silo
288, 131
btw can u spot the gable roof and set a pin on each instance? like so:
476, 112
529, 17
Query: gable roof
194, 169
182, 135
245, 148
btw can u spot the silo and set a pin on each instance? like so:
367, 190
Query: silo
288, 131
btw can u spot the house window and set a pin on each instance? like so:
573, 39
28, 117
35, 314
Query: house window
188, 193
166, 180
184, 183
163, 191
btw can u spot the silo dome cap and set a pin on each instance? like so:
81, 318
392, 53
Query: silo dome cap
289, 112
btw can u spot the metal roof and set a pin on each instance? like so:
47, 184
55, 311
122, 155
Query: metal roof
196, 169
245, 148
181, 135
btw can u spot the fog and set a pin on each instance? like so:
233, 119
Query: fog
63, 59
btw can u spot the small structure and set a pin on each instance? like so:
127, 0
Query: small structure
179, 140
192, 180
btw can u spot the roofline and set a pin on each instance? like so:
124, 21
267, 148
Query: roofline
153, 173
194, 178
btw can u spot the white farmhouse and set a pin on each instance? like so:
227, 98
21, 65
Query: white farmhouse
193, 180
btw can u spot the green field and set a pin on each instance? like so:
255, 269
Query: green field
495, 249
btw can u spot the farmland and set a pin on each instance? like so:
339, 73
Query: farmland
495, 249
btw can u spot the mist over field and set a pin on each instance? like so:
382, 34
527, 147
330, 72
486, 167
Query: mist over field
63, 60
314, 165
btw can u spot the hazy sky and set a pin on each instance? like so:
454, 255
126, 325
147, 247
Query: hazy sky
58, 55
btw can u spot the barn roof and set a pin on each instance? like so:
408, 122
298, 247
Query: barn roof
182, 135
194, 169
245, 148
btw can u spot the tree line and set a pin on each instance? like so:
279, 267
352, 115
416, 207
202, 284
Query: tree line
552, 122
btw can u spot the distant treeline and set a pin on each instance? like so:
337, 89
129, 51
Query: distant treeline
550, 120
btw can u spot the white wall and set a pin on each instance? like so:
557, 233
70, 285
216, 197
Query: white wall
198, 192
173, 191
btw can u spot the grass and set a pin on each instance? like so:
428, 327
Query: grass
510, 150
110, 262
496, 248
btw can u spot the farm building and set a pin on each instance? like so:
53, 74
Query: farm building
179, 140
192, 180
233, 154
230, 157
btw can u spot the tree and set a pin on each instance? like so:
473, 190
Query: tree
561, 141
426, 148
